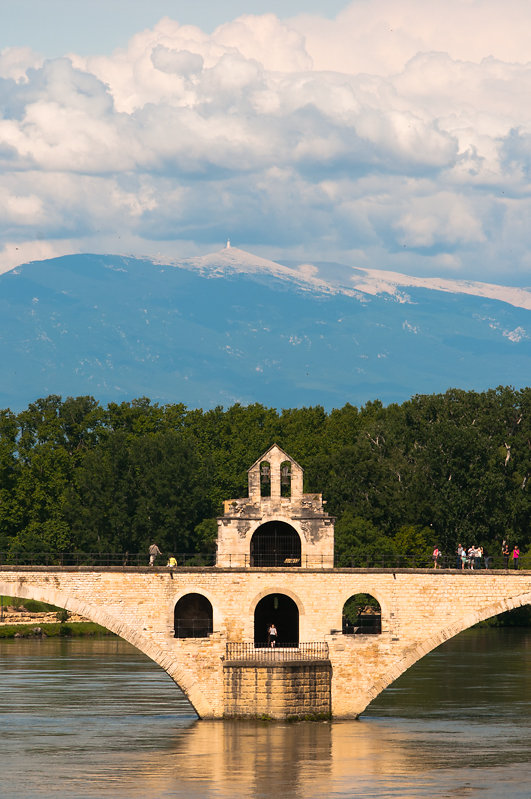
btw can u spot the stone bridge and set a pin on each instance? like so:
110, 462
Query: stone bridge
420, 609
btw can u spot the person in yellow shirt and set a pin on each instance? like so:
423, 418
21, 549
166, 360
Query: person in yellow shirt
172, 563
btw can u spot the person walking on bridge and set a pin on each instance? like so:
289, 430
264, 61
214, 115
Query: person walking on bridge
172, 563
154, 552
515, 556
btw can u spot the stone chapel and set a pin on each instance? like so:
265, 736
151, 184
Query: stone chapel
277, 525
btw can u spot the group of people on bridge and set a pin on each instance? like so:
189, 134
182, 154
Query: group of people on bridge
515, 555
472, 558
475, 558
154, 552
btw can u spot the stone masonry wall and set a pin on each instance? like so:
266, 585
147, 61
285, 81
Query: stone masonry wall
420, 610
279, 691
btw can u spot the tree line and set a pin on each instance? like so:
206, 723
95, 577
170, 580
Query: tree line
443, 469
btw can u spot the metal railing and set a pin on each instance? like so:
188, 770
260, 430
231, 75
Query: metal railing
365, 624
444, 562
279, 561
238, 561
193, 628
314, 650
184, 559
97, 559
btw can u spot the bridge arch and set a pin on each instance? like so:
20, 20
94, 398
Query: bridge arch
413, 654
193, 616
363, 587
216, 620
281, 610
276, 589
53, 595
361, 615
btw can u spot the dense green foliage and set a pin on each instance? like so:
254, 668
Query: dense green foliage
438, 469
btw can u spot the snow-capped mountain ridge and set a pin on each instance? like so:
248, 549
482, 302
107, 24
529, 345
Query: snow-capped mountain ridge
233, 260
233, 327
353, 281
379, 282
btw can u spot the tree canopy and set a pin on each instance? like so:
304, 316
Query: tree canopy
439, 469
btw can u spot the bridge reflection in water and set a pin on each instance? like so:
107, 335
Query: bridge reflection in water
237, 759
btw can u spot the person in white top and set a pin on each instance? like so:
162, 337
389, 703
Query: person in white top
272, 635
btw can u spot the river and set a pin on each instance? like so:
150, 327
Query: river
95, 719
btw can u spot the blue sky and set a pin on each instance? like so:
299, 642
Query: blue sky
378, 134
100, 26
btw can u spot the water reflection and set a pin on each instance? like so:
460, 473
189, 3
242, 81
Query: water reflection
250, 759
89, 719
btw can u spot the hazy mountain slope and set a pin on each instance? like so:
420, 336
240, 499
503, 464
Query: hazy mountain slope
216, 333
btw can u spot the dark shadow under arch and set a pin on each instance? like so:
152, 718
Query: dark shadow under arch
282, 611
275, 544
193, 617
362, 615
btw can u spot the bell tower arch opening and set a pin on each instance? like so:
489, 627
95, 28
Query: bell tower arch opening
282, 611
285, 479
265, 479
275, 543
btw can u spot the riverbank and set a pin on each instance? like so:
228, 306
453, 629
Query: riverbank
20, 622
21, 615
55, 629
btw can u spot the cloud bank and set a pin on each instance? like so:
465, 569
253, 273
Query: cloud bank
397, 136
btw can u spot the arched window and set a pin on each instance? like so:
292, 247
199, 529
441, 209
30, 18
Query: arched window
362, 615
193, 617
282, 611
275, 544
265, 479
285, 479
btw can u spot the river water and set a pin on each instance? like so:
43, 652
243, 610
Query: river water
95, 719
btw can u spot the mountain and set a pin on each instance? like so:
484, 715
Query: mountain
233, 327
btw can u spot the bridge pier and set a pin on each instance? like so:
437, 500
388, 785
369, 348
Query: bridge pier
281, 683
284, 690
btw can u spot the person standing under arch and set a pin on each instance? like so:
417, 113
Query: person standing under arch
272, 635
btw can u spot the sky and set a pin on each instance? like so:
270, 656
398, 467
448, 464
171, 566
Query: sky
374, 133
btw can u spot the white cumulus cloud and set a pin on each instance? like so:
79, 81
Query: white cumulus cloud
396, 136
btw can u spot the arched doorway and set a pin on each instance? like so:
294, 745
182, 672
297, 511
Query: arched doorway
282, 611
275, 544
362, 615
193, 617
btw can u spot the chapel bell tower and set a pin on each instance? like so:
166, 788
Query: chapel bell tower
277, 525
